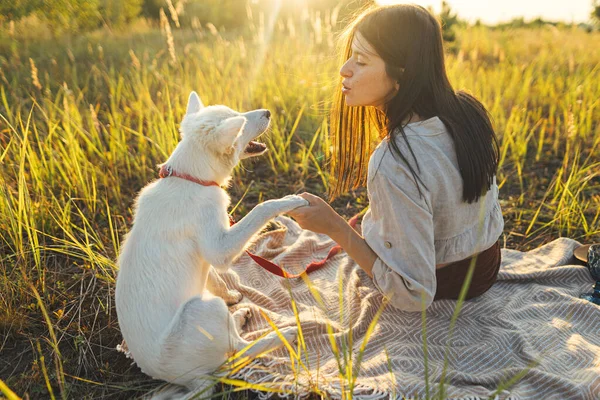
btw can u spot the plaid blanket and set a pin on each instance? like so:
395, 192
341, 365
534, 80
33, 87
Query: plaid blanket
530, 327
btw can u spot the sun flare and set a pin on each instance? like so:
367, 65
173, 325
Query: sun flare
494, 11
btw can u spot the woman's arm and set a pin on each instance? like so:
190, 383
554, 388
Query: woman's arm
354, 244
319, 217
401, 261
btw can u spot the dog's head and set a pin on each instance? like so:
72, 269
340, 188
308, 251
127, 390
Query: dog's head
224, 132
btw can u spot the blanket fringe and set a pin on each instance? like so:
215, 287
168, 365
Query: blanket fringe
255, 373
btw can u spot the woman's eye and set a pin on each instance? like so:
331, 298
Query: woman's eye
357, 61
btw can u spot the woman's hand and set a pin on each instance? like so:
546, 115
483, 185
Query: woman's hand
318, 216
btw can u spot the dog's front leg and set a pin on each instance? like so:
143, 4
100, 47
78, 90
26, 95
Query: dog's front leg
217, 286
233, 241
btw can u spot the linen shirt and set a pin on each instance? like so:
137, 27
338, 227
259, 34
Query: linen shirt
411, 234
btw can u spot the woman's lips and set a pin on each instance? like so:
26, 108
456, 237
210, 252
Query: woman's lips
345, 89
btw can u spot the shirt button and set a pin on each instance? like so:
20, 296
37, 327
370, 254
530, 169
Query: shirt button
388, 245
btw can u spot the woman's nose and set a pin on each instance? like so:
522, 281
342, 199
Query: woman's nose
345, 70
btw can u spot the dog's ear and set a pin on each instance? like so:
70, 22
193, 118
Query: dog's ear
229, 130
194, 103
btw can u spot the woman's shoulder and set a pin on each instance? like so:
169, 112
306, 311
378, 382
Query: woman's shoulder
424, 139
420, 135
387, 163
426, 127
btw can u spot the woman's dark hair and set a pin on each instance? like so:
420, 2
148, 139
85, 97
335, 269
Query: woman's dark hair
409, 40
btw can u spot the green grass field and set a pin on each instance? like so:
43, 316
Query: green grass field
85, 120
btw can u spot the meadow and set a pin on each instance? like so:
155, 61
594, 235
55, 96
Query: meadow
84, 120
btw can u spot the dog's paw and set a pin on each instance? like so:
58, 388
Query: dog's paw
233, 297
247, 314
294, 201
241, 317
290, 334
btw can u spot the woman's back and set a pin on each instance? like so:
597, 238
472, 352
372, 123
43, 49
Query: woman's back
460, 229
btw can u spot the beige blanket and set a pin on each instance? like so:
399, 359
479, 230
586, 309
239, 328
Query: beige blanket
530, 321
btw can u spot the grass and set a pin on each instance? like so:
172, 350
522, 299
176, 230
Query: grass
85, 120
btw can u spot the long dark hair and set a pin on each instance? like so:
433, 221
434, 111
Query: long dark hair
409, 40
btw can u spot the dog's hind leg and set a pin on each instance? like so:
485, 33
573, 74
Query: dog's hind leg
267, 343
240, 317
199, 340
217, 286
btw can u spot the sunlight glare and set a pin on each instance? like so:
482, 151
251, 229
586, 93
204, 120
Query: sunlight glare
265, 40
495, 11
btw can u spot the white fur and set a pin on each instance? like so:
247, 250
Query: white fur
171, 304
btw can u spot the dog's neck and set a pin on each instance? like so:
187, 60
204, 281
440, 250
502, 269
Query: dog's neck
166, 172
204, 166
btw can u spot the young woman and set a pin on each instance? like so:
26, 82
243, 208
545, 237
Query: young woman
431, 180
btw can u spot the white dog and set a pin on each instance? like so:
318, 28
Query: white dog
171, 303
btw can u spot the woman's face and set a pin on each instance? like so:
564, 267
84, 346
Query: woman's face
366, 82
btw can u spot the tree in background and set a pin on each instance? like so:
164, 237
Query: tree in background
117, 13
13, 10
449, 21
596, 12
151, 8
221, 13
73, 16
232, 14
69, 16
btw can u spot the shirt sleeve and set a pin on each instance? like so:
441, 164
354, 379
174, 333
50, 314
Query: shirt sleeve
399, 229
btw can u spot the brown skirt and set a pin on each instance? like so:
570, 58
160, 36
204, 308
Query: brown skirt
451, 277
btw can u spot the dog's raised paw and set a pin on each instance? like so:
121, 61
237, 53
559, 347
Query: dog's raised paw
295, 201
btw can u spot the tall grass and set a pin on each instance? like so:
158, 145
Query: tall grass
84, 121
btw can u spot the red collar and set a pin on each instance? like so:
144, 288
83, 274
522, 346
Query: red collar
166, 171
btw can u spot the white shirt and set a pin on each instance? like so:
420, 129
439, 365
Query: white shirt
411, 234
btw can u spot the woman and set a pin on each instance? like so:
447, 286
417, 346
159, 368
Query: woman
431, 179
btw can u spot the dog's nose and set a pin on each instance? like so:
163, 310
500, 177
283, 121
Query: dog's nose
267, 113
